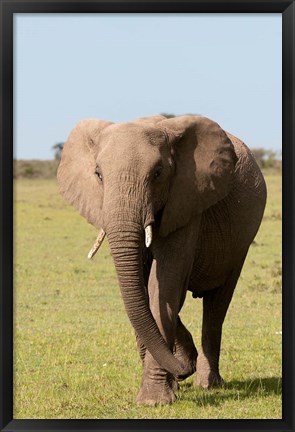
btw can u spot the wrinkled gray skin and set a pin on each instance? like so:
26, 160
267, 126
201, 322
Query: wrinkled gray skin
204, 195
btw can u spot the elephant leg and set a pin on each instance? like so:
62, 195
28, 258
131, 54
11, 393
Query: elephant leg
215, 306
167, 290
184, 348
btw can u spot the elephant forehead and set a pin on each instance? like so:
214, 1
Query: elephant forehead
133, 134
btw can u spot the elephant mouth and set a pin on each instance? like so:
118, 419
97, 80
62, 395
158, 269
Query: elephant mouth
101, 236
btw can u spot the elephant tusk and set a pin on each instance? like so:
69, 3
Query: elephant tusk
148, 236
97, 243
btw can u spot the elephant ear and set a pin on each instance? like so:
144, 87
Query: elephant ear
76, 172
205, 162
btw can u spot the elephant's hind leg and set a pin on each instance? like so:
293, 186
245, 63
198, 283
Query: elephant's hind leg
215, 305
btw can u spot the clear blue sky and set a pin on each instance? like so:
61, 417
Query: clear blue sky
122, 66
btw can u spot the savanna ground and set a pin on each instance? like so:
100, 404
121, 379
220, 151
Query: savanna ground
74, 349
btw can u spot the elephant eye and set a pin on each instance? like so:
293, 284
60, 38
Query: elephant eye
158, 172
98, 174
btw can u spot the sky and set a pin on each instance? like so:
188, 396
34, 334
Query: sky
119, 67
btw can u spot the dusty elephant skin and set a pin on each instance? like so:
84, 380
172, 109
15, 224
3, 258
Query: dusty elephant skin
195, 195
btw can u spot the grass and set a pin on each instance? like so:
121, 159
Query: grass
75, 353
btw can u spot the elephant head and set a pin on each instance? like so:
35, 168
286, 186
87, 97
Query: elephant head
129, 177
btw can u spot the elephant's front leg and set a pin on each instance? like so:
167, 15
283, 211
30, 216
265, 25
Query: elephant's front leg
173, 259
184, 348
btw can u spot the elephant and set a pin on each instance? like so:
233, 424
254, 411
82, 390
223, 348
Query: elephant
180, 201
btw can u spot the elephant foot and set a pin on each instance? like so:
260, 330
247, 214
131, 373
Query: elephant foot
207, 377
189, 363
190, 368
184, 350
154, 393
208, 380
173, 382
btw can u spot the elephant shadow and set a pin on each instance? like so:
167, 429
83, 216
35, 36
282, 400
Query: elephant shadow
235, 389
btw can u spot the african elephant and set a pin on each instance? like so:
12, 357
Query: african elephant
180, 201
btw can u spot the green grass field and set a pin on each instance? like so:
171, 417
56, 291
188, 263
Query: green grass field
74, 349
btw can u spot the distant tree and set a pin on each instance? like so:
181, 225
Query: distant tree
57, 148
266, 158
169, 115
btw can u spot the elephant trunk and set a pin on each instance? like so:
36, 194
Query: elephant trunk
126, 242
